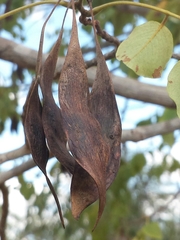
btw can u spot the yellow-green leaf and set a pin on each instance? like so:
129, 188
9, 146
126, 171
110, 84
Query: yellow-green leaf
173, 86
147, 49
152, 230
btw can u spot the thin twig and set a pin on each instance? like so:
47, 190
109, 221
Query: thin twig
107, 56
4, 214
102, 33
82, 10
128, 9
176, 56
93, 49
102, 7
161, 208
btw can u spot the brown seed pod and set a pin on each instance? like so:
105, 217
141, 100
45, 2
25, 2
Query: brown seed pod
83, 131
35, 137
33, 127
103, 106
51, 113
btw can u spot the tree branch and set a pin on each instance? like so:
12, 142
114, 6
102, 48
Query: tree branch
135, 135
107, 56
176, 56
17, 170
19, 152
4, 211
103, 34
104, 44
132, 10
164, 207
126, 87
144, 132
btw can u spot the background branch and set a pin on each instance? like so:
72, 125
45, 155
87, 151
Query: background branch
176, 56
144, 132
107, 56
132, 10
19, 152
4, 211
104, 44
164, 207
135, 135
126, 87
17, 170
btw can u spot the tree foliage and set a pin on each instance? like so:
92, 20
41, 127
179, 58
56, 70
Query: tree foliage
138, 206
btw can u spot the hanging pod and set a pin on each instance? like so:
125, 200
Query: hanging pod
103, 106
35, 137
90, 123
83, 131
51, 113
33, 126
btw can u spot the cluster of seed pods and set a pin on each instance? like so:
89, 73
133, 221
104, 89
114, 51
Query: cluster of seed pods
88, 121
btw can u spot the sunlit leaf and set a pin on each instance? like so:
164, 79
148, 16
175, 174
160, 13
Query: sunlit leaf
144, 122
26, 189
138, 162
174, 166
147, 49
152, 230
174, 85
168, 139
168, 114
158, 170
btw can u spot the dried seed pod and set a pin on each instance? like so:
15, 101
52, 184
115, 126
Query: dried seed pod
51, 114
103, 106
33, 127
84, 190
83, 130
35, 137
34, 133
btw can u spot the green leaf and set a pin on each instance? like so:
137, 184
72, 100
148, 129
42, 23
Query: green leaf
128, 71
174, 85
26, 189
147, 49
144, 122
138, 162
152, 230
168, 114
157, 171
168, 139
174, 166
